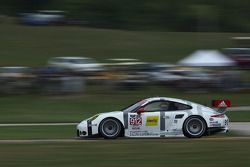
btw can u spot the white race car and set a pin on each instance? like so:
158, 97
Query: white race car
158, 117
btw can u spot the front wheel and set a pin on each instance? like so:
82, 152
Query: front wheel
194, 127
110, 128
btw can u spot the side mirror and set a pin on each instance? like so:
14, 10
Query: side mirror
140, 110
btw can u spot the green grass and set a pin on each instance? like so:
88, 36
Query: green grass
35, 108
52, 132
146, 153
239, 116
38, 132
32, 46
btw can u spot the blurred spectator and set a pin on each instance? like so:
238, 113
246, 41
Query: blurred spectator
126, 73
54, 80
16, 80
80, 65
240, 55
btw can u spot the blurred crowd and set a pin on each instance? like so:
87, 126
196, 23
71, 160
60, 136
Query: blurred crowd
201, 71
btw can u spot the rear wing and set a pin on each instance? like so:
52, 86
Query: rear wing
221, 105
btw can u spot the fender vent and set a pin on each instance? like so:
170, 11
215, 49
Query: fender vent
179, 116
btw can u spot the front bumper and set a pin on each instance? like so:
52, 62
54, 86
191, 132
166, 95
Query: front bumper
82, 129
87, 129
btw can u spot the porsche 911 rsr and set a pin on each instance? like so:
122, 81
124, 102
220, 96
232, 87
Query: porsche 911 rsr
158, 117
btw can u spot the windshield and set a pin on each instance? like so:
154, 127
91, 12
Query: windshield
133, 106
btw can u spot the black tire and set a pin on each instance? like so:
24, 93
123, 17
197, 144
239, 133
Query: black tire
110, 128
194, 127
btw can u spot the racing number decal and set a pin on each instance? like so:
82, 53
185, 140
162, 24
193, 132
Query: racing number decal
143, 125
135, 120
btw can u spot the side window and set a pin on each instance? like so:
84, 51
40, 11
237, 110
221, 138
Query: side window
157, 106
165, 106
180, 106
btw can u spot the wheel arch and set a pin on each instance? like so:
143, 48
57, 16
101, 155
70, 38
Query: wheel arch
122, 125
203, 119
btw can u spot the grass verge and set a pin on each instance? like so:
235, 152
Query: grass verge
35, 108
134, 153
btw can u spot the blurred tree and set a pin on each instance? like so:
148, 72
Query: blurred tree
13, 7
171, 15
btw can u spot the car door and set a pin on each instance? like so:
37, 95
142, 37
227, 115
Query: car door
147, 123
174, 118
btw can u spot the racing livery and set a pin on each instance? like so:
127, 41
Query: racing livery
158, 117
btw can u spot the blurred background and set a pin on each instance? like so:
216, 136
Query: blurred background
62, 61
65, 60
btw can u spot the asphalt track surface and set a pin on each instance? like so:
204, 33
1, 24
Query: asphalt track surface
239, 108
242, 128
37, 124
75, 140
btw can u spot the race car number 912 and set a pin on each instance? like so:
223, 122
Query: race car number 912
135, 121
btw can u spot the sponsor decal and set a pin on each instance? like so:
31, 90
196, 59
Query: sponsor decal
175, 121
174, 131
136, 127
222, 104
142, 133
152, 120
215, 123
138, 133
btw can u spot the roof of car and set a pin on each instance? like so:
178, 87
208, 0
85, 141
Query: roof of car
168, 98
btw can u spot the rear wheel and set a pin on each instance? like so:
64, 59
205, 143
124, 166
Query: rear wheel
110, 128
194, 127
